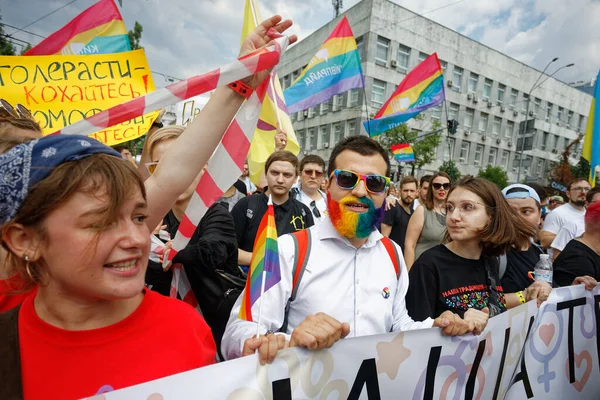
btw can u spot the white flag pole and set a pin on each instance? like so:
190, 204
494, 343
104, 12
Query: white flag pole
264, 279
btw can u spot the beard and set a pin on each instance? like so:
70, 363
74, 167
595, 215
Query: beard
407, 201
579, 203
351, 224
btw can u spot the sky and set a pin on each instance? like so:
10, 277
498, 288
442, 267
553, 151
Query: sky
183, 38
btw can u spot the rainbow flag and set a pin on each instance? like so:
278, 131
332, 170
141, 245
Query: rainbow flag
98, 30
265, 258
335, 69
421, 89
403, 152
591, 141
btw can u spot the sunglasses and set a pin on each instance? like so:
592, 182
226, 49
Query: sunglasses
151, 166
348, 180
438, 186
18, 112
310, 172
315, 210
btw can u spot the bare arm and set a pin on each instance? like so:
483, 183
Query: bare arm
546, 239
386, 230
413, 232
244, 257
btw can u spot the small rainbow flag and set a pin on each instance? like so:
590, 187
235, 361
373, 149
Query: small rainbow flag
421, 89
591, 141
98, 30
265, 258
403, 152
335, 69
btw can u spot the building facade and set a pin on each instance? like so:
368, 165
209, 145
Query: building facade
486, 92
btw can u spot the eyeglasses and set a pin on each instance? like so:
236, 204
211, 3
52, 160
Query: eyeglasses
18, 112
581, 189
438, 186
310, 172
348, 180
151, 166
464, 208
315, 210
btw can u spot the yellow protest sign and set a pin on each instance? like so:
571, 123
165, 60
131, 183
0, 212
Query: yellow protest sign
61, 90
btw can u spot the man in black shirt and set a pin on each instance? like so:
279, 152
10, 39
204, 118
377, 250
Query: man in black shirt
395, 220
290, 214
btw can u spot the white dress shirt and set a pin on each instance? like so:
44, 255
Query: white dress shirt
340, 280
320, 204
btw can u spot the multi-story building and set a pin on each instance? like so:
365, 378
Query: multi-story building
486, 92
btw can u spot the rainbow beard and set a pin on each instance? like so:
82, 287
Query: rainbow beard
351, 224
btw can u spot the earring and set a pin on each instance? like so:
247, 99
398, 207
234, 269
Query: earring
28, 268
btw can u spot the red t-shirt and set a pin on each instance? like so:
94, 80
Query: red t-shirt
8, 298
164, 336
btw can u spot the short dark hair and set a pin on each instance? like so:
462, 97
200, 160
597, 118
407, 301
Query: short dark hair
425, 178
408, 179
575, 181
540, 190
362, 145
121, 147
591, 193
282, 155
312, 159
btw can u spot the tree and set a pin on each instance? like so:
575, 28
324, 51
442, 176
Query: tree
451, 169
495, 175
26, 49
563, 172
6, 47
581, 169
135, 36
424, 147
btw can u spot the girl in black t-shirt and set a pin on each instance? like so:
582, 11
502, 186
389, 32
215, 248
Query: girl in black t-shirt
462, 275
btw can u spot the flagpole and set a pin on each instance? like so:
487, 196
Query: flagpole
262, 287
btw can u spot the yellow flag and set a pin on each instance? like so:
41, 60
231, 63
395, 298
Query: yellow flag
263, 143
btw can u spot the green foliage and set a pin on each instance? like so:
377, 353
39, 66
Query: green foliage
6, 47
581, 169
424, 147
135, 36
25, 49
451, 169
495, 175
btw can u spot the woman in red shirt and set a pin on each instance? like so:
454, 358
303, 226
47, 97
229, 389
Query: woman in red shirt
76, 219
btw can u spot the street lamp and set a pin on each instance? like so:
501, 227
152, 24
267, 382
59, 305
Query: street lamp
535, 86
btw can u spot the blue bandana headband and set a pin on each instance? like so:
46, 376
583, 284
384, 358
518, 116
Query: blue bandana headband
28, 163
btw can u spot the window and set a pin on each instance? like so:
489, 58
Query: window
559, 114
464, 152
473, 79
468, 121
492, 156
453, 111
540, 167
402, 58
545, 136
337, 133
351, 128
311, 112
524, 104
444, 65
381, 54
378, 94
448, 149
338, 102
556, 140
580, 125
313, 139
569, 118
549, 112
514, 93
496, 125
436, 113
324, 132
422, 57
487, 89
359, 47
537, 108
286, 82
295, 74
483, 122
353, 97
457, 78
478, 154
301, 139
509, 129
324, 107
504, 161
501, 90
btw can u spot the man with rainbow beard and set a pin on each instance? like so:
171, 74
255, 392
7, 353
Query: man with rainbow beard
344, 279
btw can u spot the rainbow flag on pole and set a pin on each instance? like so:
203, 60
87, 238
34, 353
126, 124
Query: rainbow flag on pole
98, 30
265, 258
591, 141
421, 89
334, 69
403, 152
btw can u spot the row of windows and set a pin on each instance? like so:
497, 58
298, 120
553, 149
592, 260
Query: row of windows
325, 136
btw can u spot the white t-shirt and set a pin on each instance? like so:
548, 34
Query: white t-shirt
568, 232
559, 217
320, 204
250, 187
416, 203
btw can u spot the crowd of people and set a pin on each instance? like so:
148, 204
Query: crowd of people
82, 301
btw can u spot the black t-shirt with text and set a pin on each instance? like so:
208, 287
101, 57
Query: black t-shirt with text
398, 218
519, 268
290, 217
575, 260
441, 280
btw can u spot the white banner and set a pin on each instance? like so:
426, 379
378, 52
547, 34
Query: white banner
524, 353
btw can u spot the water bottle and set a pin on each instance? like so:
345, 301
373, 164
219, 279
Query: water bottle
543, 269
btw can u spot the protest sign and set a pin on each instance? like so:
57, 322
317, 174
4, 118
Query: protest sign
523, 353
61, 90
186, 111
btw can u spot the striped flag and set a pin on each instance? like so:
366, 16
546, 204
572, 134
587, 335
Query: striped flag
403, 152
591, 141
